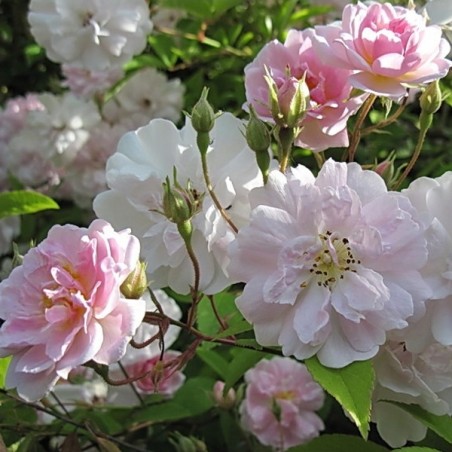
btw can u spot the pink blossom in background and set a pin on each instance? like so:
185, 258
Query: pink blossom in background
330, 263
95, 35
280, 403
86, 83
159, 376
63, 306
423, 378
388, 48
325, 123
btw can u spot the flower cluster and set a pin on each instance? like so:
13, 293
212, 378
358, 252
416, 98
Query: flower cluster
331, 266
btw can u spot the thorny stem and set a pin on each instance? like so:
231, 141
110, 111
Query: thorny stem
216, 313
195, 288
285, 137
60, 404
68, 420
132, 386
414, 157
389, 120
319, 158
224, 341
356, 135
212, 194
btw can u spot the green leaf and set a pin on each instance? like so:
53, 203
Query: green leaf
226, 309
243, 360
351, 386
416, 449
339, 443
23, 201
441, 425
193, 399
213, 359
4, 363
240, 327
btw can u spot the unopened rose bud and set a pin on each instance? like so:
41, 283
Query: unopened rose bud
187, 443
136, 283
294, 101
227, 401
289, 101
431, 99
257, 133
202, 115
176, 205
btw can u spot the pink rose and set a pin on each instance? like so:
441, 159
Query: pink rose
325, 123
388, 48
63, 306
280, 403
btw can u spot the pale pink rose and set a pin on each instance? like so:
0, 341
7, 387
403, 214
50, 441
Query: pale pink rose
432, 198
388, 48
160, 376
424, 379
330, 263
280, 403
87, 83
63, 306
325, 123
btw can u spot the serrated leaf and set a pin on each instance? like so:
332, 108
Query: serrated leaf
240, 327
351, 386
441, 425
339, 443
23, 201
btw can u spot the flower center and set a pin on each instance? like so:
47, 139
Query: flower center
285, 395
334, 258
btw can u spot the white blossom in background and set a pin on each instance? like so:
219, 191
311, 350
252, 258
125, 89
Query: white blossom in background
92, 34
12, 120
86, 83
9, 228
167, 17
331, 264
85, 177
146, 95
51, 138
439, 12
135, 174
424, 379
